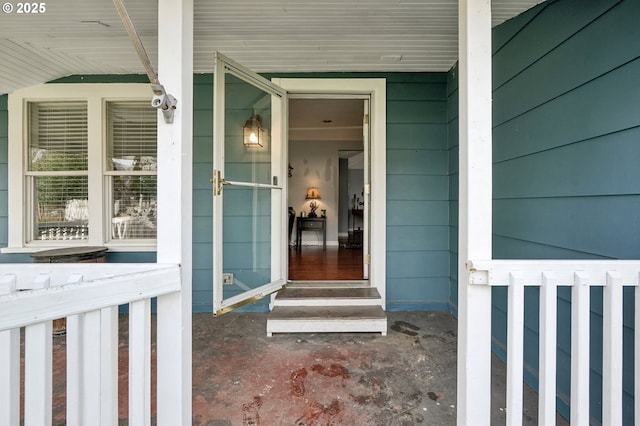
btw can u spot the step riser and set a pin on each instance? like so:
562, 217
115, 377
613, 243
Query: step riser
327, 326
328, 284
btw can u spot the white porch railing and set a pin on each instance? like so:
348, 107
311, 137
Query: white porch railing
580, 275
88, 295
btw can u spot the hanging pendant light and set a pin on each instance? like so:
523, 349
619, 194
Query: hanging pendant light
252, 131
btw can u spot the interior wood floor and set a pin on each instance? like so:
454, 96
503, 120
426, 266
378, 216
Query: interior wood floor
334, 263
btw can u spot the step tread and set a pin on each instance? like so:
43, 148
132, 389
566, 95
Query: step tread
328, 293
333, 313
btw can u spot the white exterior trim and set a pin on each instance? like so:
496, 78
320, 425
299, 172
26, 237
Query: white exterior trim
376, 88
175, 213
95, 95
475, 210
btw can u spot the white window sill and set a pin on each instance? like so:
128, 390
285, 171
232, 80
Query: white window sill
112, 248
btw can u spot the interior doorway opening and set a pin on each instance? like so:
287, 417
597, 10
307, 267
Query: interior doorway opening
326, 188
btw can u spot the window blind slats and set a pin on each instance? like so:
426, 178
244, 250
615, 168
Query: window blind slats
132, 127
131, 148
58, 138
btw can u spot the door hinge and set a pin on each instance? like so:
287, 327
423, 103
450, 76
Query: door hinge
367, 259
366, 119
367, 189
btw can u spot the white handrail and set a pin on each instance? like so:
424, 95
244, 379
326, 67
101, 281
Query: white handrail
30, 307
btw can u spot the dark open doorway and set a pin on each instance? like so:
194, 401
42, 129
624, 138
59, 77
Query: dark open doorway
325, 188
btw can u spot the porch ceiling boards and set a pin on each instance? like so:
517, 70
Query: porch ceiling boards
87, 37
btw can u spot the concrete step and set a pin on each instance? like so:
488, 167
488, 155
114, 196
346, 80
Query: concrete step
328, 296
329, 284
327, 319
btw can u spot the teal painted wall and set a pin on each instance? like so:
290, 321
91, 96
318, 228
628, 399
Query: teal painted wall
417, 190
565, 178
452, 148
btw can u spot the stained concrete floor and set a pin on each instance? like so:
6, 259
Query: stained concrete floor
242, 377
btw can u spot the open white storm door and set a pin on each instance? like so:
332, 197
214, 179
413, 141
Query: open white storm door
249, 212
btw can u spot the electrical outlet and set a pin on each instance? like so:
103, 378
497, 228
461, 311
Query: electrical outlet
227, 278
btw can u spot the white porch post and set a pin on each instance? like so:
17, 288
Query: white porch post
474, 223
175, 154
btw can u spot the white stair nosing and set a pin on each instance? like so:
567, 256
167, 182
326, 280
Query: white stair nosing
328, 302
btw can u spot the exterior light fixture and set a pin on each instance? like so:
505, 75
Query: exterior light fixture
252, 131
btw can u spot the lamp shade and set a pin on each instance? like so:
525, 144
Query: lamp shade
313, 193
252, 131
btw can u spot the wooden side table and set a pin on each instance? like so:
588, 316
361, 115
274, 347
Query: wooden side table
311, 224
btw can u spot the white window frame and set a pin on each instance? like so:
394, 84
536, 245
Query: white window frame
96, 96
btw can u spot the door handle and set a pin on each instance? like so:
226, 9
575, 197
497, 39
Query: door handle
217, 182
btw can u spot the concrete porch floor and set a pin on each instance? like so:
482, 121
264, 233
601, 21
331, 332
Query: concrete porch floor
242, 377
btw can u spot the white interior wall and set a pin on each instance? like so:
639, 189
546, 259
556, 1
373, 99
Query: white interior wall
316, 164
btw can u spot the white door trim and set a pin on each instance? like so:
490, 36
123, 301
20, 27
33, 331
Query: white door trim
376, 89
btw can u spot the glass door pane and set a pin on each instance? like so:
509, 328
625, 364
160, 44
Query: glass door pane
248, 201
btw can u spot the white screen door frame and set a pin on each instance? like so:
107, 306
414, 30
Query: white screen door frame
274, 188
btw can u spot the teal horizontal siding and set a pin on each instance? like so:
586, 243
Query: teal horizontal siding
416, 111
541, 33
453, 181
412, 237
202, 149
600, 226
565, 102
408, 187
417, 136
417, 91
417, 213
417, 201
574, 170
603, 106
615, 30
417, 264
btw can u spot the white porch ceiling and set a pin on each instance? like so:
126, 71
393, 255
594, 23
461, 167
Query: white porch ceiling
87, 37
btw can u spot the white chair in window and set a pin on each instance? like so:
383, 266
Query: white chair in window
120, 226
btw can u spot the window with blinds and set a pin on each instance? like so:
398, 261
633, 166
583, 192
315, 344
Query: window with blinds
132, 168
57, 169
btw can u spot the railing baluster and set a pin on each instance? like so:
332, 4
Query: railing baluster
74, 363
580, 310
9, 365
140, 363
109, 365
74, 370
548, 347
91, 367
612, 351
10, 377
515, 347
37, 374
